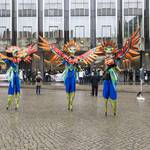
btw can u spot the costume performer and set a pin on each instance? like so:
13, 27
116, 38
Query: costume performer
71, 62
12, 58
110, 83
129, 52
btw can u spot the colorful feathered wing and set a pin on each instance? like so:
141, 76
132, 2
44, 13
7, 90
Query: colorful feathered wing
90, 56
58, 55
130, 50
21, 54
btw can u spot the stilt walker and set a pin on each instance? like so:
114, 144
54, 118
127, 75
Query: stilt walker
68, 57
129, 52
110, 83
70, 76
12, 58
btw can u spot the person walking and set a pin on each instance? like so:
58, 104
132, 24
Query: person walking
38, 80
94, 81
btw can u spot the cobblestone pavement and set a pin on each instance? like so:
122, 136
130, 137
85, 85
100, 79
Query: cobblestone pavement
43, 123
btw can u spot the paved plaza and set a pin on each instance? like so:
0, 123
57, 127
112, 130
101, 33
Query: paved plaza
43, 123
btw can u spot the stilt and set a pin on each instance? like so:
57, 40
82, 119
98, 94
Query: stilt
106, 107
9, 101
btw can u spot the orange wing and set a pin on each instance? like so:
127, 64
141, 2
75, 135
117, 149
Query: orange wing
131, 49
90, 56
47, 48
56, 55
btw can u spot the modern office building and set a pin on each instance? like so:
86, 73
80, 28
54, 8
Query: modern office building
86, 21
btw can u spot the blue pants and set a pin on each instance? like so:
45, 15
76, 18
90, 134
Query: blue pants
109, 90
70, 84
15, 87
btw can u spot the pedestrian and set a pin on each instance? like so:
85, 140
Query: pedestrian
81, 74
125, 76
94, 81
38, 81
46, 75
131, 76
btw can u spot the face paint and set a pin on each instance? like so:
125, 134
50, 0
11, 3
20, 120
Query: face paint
71, 47
72, 50
14, 53
108, 50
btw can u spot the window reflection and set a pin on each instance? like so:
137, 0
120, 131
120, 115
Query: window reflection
106, 26
27, 21
54, 21
5, 23
132, 19
133, 16
79, 22
53, 8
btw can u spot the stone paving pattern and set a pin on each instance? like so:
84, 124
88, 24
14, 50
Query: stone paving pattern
133, 88
43, 123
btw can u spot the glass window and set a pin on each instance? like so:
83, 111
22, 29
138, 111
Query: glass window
132, 19
5, 23
80, 31
54, 21
79, 22
106, 7
106, 26
79, 8
53, 8
27, 8
2, 32
133, 16
27, 22
4, 8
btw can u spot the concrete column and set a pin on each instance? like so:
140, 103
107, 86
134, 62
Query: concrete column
119, 30
40, 32
93, 23
14, 22
66, 21
146, 26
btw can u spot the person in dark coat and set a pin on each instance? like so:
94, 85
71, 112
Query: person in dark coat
94, 81
38, 80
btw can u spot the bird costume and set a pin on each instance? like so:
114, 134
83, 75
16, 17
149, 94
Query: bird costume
129, 52
68, 57
12, 58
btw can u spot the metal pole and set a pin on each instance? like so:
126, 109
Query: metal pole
141, 58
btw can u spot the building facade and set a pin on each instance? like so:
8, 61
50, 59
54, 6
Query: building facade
86, 21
